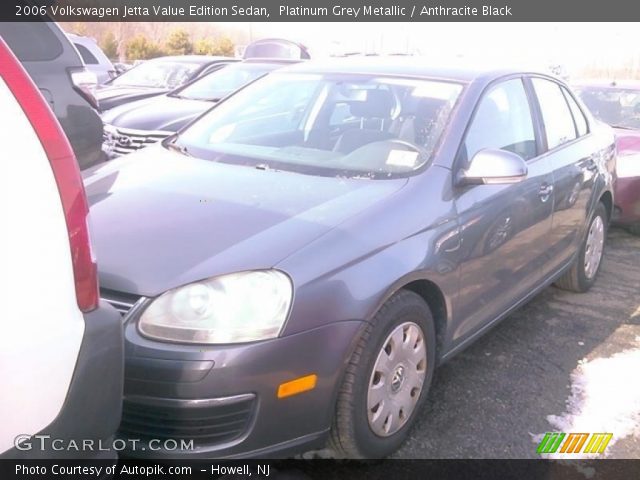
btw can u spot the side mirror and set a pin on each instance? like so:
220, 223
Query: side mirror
493, 167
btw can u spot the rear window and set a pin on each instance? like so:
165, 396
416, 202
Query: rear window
87, 56
582, 127
556, 115
31, 41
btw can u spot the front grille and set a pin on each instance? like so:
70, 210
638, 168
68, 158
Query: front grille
205, 421
120, 141
123, 302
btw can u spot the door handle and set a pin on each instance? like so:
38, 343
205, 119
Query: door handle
545, 192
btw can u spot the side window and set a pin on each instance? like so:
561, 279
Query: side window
341, 115
86, 55
503, 121
578, 116
557, 118
32, 41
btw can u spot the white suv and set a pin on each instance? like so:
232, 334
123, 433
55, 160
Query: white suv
61, 358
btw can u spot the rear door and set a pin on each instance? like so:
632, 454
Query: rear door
504, 228
567, 146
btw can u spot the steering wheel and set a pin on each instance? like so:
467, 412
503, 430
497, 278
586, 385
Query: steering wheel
403, 143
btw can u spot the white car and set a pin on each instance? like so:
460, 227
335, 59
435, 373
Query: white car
61, 357
93, 57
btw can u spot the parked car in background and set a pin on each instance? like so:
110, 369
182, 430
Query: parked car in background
155, 77
276, 48
138, 124
122, 67
317, 243
60, 348
57, 69
618, 104
93, 57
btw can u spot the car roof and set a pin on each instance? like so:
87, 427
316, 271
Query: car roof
75, 37
406, 66
202, 59
271, 61
606, 84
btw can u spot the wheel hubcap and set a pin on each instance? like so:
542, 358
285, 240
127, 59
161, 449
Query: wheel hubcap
594, 247
397, 379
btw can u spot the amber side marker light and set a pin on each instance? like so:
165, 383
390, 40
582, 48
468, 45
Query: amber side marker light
299, 385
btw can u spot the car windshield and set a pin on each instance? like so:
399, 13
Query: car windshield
619, 107
158, 74
326, 124
221, 83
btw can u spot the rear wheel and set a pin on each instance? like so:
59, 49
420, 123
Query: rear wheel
386, 381
582, 274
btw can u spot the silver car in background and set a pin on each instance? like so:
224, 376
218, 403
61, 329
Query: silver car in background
93, 57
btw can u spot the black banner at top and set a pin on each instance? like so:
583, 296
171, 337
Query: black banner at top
318, 10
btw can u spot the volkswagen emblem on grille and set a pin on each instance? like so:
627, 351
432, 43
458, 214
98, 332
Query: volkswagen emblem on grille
124, 140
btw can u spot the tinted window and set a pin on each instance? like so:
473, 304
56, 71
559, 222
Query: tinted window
557, 118
579, 118
86, 55
503, 121
31, 41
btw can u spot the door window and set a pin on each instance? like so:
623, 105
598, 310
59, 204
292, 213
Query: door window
502, 121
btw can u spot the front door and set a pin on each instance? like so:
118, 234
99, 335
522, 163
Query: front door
504, 228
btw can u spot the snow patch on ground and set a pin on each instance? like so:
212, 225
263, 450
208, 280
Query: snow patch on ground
605, 397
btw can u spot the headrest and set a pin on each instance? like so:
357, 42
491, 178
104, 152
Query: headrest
378, 104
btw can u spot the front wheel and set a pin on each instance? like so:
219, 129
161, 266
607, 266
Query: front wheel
386, 381
582, 274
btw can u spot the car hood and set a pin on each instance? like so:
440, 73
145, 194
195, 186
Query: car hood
110, 96
160, 219
627, 141
156, 113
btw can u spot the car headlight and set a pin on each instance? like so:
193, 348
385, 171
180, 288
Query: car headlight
235, 308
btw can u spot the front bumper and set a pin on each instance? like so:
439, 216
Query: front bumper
223, 398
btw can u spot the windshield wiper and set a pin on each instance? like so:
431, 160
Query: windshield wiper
204, 99
178, 148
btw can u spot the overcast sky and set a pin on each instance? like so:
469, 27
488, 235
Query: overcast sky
574, 45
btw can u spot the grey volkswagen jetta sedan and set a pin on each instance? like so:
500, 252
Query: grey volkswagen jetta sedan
293, 265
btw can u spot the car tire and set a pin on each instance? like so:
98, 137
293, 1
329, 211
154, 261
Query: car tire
405, 317
583, 272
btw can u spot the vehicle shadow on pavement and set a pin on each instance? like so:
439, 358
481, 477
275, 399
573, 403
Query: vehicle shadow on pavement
493, 399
